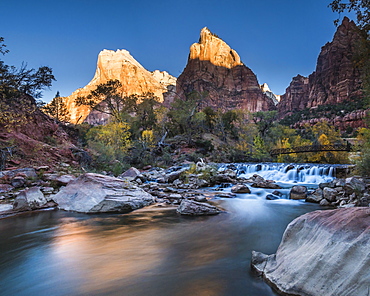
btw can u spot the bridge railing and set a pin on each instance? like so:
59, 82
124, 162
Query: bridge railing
312, 148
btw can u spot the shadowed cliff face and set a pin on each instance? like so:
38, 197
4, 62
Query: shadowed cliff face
214, 68
336, 78
135, 79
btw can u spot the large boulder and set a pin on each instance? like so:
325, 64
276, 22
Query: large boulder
94, 193
330, 194
240, 188
194, 208
298, 192
259, 182
315, 196
321, 253
30, 199
354, 185
25, 172
131, 173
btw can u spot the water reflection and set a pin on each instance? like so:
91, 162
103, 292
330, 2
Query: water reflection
142, 253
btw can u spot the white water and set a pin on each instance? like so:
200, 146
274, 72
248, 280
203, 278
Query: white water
285, 175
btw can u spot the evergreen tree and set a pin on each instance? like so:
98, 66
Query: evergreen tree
57, 109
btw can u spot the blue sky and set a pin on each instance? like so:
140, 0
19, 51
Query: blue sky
277, 39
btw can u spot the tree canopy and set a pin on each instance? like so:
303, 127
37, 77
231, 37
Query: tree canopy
18, 89
360, 7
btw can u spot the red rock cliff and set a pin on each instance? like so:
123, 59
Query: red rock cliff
216, 69
336, 78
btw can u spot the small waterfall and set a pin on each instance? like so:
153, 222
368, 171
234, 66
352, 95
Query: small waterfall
289, 174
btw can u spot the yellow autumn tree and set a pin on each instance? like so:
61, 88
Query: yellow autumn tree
109, 144
147, 137
326, 134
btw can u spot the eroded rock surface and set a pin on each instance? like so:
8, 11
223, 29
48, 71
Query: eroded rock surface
194, 208
30, 199
321, 253
335, 80
94, 193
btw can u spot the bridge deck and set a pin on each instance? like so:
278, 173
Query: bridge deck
312, 148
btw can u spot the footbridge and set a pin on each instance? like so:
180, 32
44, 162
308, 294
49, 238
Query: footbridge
313, 148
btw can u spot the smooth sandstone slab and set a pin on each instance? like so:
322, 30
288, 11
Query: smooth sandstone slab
94, 193
321, 253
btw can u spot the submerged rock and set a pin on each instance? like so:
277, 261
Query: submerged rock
321, 253
94, 193
194, 208
272, 197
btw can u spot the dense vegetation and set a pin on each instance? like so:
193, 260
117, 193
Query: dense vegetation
142, 132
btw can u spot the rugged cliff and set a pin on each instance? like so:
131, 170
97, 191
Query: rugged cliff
335, 80
216, 71
135, 79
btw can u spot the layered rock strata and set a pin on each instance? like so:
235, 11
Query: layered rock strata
94, 193
215, 73
336, 78
321, 253
135, 79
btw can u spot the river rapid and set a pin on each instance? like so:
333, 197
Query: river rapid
153, 251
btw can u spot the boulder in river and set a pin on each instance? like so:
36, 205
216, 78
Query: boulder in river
298, 192
31, 199
329, 194
95, 193
321, 253
240, 188
315, 196
194, 208
259, 182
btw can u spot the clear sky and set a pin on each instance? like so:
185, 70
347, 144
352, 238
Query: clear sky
277, 39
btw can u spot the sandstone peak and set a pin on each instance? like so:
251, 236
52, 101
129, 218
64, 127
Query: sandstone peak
135, 79
110, 63
265, 87
213, 49
215, 69
266, 90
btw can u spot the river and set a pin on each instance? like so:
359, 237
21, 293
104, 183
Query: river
152, 251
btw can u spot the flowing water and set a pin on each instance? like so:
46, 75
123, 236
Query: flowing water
149, 251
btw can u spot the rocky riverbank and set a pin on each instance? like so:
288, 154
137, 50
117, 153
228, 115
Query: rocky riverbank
39, 188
